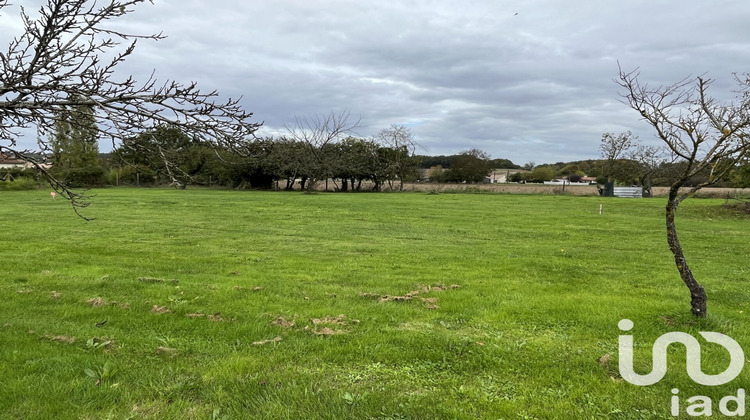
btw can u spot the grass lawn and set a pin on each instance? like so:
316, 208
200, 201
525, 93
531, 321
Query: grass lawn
202, 304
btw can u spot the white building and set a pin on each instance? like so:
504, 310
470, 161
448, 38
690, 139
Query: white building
500, 176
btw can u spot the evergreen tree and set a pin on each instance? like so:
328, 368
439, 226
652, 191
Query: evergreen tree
75, 147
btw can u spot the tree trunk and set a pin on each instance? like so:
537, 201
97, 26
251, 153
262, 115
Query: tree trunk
312, 184
646, 186
697, 293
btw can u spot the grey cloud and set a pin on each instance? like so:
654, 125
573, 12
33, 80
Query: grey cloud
533, 86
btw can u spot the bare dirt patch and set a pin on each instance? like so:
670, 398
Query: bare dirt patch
96, 302
215, 317
60, 338
331, 325
283, 322
160, 309
604, 360
337, 320
157, 280
328, 331
243, 289
166, 351
430, 302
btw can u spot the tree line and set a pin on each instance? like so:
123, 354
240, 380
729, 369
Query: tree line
166, 155
322, 149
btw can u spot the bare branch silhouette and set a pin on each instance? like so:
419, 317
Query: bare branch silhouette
59, 62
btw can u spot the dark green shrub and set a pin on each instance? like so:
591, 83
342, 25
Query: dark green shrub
88, 176
18, 184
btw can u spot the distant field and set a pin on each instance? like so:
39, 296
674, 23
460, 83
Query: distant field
589, 190
203, 304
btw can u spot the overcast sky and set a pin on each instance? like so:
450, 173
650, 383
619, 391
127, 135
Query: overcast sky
522, 80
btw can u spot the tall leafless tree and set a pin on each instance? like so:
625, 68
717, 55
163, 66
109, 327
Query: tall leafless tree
400, 140
67, 55
701, 133
317, 132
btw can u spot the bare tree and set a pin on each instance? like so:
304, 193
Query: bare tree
60, 60
626, 158
702, 134
649, 159
400, 140
615, 146
317, 132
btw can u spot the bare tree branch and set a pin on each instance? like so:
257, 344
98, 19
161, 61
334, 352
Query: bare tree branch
317, 132
57, 62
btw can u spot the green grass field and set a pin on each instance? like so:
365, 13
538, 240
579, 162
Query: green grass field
222, 304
